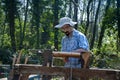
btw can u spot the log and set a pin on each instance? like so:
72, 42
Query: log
105, 74
84, 56
68, 54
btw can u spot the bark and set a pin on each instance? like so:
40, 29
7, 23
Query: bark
20, 25
88, 13
3, 31
70, 8
103, 26
76, 12
95, 26
24, 27
82, 13
118, 23
55, 11
11, 7
37, 21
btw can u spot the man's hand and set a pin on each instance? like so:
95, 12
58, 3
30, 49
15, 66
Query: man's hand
65, 59
79, 50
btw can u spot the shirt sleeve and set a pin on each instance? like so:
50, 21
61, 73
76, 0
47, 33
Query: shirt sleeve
83, 42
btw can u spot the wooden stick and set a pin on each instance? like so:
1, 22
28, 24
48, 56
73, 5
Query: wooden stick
19, 56
67, 54
10, 76
14, 60
26, 60
85, 56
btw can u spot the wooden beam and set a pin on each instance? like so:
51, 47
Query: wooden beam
107, 74
66, 54
84, 56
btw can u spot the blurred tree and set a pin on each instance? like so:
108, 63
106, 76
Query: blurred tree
103, 25
36, 14
76, 12
5, 56
118, 23
24, 26
88, 13
56, 13
95, 26
70, 9
47, 28
11, 10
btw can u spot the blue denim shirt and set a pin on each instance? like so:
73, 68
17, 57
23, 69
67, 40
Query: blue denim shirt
77, 41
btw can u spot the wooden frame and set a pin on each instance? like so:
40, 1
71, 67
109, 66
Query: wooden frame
22, 71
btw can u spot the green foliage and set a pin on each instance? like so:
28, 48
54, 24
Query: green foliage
5, 56
6, 41
110, 19
58, 62
115, 61
108, 56
105, 57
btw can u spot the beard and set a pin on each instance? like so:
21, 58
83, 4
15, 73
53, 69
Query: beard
67, 33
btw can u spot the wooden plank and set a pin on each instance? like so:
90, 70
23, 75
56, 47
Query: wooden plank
107, 74
49, 54
66, 54
84, 56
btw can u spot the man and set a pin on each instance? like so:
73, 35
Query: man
73, 41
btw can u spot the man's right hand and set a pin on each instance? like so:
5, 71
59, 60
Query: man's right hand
65, 59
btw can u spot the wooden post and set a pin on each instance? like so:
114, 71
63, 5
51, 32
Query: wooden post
104, 74
17, 76
11, 74
24, 77
26, 59
19, 56
86, 58
47, 61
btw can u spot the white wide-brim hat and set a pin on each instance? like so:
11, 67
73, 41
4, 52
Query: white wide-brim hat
65, 20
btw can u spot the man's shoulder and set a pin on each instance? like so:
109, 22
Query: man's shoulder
78, 33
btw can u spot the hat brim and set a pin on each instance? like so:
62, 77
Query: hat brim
61, 25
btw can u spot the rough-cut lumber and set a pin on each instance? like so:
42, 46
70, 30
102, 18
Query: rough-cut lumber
67, 54
84, 55
106, 74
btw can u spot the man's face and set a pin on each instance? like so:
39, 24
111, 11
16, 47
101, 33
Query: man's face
67, 29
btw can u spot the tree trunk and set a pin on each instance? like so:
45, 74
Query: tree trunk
118, 23
82, 13
70, 8
24, 27
76, 12
37, 20
103, 26
2, 39
56, 9
94, 27
88, 13
20, 25
11, 7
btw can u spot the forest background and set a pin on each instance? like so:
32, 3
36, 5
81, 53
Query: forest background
29, 24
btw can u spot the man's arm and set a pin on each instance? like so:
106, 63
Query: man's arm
80, 50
